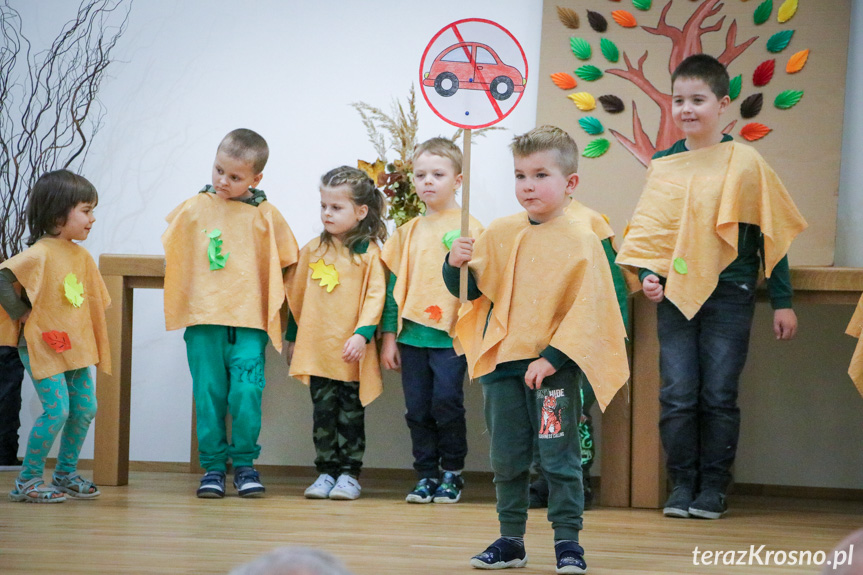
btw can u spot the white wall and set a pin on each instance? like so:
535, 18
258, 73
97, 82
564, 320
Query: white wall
188, 72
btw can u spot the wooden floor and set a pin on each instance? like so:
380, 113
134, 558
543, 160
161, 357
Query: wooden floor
156, 525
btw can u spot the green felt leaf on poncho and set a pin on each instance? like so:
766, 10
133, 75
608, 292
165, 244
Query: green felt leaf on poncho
609, 50
591, 125
762, 13
596, 148
214, 251
73, 289
779, 41
449, 237
734, 86
581, 48
589, 73
787, 99
680, 266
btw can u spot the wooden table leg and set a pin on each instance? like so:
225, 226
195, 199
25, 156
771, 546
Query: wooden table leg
113, 392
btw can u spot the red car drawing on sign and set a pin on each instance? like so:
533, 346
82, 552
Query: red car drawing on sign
473, 66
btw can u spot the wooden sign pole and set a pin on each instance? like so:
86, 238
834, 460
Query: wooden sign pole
465, 211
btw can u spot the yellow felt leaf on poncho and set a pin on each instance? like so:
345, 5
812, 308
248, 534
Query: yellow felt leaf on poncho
74, 290
328, 274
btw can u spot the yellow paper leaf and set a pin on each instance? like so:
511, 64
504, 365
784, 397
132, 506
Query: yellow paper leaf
328, 274
583, 100
787, 10
74, 290
797, 61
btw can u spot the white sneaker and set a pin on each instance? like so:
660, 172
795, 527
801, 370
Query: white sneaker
321, 488
346, 488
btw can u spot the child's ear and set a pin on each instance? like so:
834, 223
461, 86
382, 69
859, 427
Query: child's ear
257, 179
458, 181
571, 183
362, 212
724, 102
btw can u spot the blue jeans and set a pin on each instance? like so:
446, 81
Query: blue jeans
700, 361
433, 380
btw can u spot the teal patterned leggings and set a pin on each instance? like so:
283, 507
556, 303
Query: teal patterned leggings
68, 403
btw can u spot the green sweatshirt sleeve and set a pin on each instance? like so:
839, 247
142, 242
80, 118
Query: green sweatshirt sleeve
451, 277
554, 356
9, 300
291, 333
390, 315
367, 331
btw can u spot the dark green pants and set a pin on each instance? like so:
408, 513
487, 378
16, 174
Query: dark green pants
339, 426
515, 414
227, 366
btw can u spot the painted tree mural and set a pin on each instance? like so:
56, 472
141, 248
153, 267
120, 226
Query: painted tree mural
685, 41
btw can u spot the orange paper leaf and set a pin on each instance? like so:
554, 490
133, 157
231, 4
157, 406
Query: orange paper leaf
58, 340
797, 61
564, 81
435, 313
754, 131
624, 18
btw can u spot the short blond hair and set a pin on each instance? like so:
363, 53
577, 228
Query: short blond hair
548, 138
441, 147
248, 146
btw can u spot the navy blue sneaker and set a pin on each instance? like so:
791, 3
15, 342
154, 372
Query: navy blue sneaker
248, 482
449, 490
212, 485
423, 491
570, 557
709, 505
502, 554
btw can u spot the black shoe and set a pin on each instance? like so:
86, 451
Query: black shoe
212, 485
423, 491
502, 554
570, 557
539, 493
709, 505
678, 502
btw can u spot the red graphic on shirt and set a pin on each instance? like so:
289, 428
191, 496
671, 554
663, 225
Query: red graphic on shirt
435, 313
58, 340
549, 424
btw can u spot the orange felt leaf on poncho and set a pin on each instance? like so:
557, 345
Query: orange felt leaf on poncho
435, 312
797, 61
754, 131
624, 18
564, 81
58, 340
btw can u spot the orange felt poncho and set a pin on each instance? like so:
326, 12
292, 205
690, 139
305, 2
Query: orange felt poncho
855, 328
66, 329
415, 253
685, 224
549, 285
249, 290
331, 294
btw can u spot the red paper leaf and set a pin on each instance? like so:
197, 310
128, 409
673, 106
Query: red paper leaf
763, 73
754, 131
435, 313
624, 18
58, 340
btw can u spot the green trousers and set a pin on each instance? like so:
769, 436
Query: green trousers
515, 415
227, 366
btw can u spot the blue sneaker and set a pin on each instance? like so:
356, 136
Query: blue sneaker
710, 504
248, 482
449, 490
423, 491
502, 554
570, 557
212, 485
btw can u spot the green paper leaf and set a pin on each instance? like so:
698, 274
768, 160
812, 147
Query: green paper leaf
680, 266
589, 73
787, 99
779, 41
449, 237
596, 148
581, 48
214, 251
591, 125
762, 13
73, 289
609, 50
734, 86
642, 4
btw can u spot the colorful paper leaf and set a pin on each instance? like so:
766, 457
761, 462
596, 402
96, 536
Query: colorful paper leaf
588, 73
787, 99
762, 13
73, 289
680, 266
591, 125
797, 61
754, 131
435, 313
611, 104
734, 86
597, 21
214, 251
57, 340
583, 100
580, 48
596, 148
609, 50
779, 41
751, 106
624, 18
568, 17
328, 274
763, 73
642, 4
786, 11
449, 237
564, 81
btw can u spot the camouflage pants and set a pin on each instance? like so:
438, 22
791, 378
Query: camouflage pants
339, 426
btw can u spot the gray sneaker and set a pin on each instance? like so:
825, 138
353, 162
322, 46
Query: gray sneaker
678, 502
709, 505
